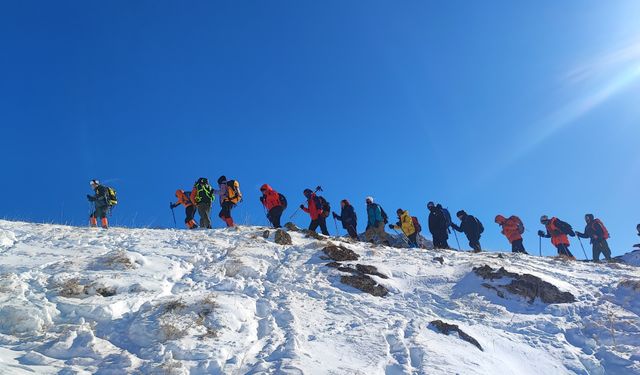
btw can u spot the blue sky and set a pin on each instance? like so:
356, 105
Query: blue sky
495, 107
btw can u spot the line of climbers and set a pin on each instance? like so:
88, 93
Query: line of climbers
203, 195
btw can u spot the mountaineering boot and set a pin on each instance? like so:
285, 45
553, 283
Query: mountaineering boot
192, 224
93, 222
229, 222
105, 223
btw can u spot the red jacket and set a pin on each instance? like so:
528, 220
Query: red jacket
557, 236
270, 197
510, 227
313, 210
183, 199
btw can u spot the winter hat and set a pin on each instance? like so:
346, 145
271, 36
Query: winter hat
431, 204
544, 219
307, 192
94, 182
369, 199
399, 211
265, 187
461, 213
589, 216
222, 179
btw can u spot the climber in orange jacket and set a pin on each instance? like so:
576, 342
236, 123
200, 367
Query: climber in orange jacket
189, 207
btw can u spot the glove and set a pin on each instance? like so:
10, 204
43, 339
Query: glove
391, 226
173, 205
540, 233
579, 234
261, 199
90, 198
302, 206
572, 234
335, 216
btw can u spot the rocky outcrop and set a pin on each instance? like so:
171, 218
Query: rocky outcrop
525, 285
340, 253
366, 284
312, 234
283, 238
447, 329
292, 227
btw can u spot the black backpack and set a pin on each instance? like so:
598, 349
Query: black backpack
447, 216
283, 200
385, 217
324, 206
480, 226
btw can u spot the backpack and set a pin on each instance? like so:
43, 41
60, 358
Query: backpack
283, 200
605, 232
385, 217
234, 195
565, 228
416, 224
519, 223
202, 186
324, 206
480, 226
447, 216
112, 199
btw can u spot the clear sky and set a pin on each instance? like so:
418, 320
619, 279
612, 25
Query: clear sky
508, 107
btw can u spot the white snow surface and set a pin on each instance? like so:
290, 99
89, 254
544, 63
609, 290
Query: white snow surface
228, 301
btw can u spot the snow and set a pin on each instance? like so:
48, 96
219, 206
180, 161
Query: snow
84, 301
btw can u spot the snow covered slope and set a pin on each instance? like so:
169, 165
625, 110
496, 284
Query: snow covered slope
81, 301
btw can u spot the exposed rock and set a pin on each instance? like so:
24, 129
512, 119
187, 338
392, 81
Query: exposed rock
340, 253
439, 259
292, 227
312, 234
365, 284
266, 234
631, 284
342, 268
500, 256
370, 270
447, 329
528, 286
283, 238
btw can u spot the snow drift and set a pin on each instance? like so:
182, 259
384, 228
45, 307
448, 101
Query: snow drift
230, 301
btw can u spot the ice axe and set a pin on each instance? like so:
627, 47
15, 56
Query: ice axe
318, 188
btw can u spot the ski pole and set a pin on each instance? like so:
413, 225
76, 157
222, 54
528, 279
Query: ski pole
175, 224
582, 246
318, 188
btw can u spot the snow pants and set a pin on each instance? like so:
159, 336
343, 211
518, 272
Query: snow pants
274, 216
204, 210
601, 247
321, 222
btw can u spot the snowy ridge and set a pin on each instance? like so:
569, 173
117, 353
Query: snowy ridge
228, 301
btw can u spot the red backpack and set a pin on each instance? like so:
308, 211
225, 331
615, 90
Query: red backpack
416, 224
604, 229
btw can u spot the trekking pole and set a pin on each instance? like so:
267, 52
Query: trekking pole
456, 235
318, 188
335, 222
540, 245
175, 224
402, 235
582, 246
